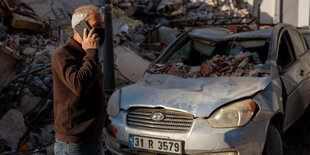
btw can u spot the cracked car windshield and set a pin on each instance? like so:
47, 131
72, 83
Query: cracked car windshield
200, 58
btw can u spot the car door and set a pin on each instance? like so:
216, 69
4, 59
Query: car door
303, 56
290, 73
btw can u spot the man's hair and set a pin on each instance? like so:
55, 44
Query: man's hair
81, 13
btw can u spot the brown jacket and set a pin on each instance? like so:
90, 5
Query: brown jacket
79, 101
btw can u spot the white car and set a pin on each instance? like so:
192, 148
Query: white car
223, 113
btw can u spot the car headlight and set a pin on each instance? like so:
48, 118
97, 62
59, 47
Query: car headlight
114, 104
233, 115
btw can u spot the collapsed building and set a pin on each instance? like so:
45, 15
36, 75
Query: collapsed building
142, 31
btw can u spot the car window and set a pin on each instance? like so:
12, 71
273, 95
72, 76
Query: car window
286, 55
182, 53
203, 46
298, 42
195, 51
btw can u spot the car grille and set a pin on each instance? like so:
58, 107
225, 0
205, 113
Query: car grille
174, 121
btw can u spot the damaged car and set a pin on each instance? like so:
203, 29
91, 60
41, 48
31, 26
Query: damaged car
215, 92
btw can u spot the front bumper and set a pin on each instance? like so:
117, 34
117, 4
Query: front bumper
201, 139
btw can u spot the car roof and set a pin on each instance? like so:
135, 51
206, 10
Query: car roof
221, 34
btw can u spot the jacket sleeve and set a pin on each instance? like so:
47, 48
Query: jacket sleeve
76, 74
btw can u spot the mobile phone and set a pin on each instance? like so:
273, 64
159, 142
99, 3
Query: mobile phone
80, 28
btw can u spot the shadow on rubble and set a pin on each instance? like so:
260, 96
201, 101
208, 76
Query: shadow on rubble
297, 138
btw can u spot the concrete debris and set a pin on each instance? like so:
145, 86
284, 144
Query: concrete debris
129, 64
22, 17
8, 63
22, 22
193, 12
29, 51
12, 128
43, 137
44, 56
37, 87
119, 26
116, 13
54, 11
157, 23
26, 80
243, 64
167, 35
28, 101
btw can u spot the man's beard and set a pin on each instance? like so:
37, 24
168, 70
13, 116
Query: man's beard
101, 34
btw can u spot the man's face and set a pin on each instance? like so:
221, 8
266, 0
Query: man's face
95, 21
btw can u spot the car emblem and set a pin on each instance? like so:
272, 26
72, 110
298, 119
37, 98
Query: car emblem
157, 116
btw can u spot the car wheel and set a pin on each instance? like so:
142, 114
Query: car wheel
273, 144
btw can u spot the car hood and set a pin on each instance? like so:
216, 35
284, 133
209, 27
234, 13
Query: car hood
199, 97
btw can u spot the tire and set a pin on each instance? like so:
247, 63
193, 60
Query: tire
273, 144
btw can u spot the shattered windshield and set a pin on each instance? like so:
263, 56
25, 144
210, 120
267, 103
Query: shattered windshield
201, 58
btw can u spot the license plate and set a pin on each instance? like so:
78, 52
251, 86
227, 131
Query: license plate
155, 144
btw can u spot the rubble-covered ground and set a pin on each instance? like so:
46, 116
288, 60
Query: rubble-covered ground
142, 30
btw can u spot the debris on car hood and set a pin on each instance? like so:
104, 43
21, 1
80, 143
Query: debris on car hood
243, 64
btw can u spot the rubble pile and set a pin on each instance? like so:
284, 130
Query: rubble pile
144, 39
26, 102
30, 94
154, 24
243, 64
190, 12
136, 44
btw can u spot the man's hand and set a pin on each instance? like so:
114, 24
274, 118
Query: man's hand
111, 130
91, 40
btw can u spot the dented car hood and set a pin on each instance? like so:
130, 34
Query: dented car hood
199, 97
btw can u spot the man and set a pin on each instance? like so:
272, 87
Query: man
79, 101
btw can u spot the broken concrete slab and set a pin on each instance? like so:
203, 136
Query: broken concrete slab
167, 34
27, 23
126, 20
8, 61
28, 101
37, 87
44, 56
131, 65
46, 136
119, 26
12, 128
29, 51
